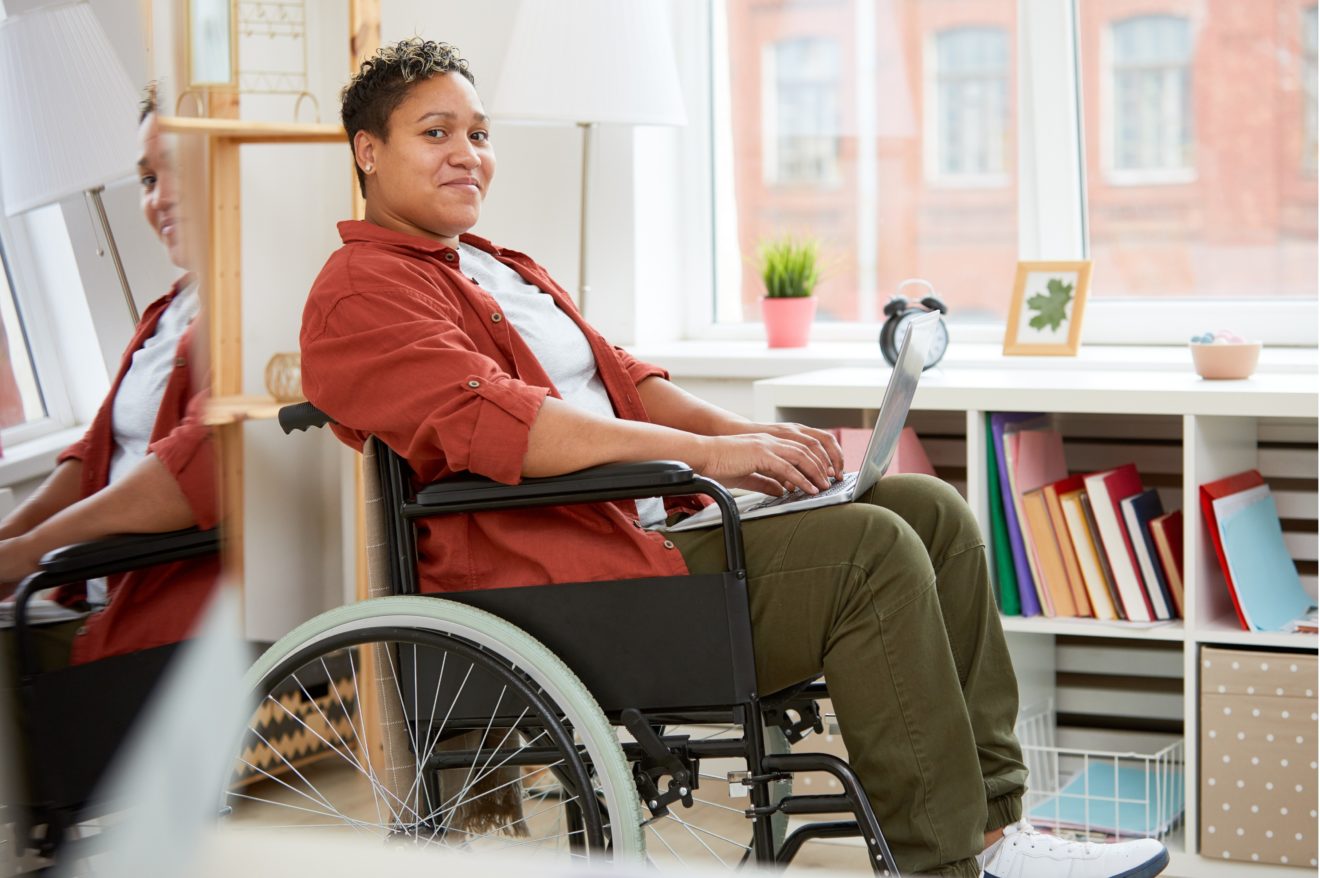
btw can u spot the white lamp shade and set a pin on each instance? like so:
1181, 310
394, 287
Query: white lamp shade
608, 61
67, 107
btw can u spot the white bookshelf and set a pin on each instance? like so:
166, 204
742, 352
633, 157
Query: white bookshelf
1181, 431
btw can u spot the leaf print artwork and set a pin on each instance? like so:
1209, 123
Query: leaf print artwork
1051, 309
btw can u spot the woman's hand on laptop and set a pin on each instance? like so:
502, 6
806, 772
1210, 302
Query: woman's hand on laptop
764, 462
821, 443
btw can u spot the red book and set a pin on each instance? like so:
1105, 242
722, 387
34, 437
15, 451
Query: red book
1073, 567
1210, 492
1167, 531
1106, 490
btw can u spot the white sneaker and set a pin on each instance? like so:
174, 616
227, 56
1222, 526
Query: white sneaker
1025, 853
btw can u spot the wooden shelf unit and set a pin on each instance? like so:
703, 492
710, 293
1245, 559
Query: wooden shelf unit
1181, 430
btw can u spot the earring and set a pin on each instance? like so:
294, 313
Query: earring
368, 169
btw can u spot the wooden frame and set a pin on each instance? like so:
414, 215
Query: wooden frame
1031, 333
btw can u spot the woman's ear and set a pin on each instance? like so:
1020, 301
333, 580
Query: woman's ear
364, 151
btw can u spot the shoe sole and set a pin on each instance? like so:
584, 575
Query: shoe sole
1148, 869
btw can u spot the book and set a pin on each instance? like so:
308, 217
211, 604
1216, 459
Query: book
1167, 531
1210, 492
1106, 489
999, 421
1043, 594
1088, 555
1039, 532
1138, 511
1001, 552
1263, 573
1089, 515
910, 455
1066, 548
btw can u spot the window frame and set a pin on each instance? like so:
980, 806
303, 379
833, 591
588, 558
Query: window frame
771, 130
38, 326
1051, 204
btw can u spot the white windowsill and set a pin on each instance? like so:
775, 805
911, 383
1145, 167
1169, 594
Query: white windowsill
36, 457
752, 360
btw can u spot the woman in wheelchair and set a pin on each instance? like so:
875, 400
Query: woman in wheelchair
464, 357
143, 468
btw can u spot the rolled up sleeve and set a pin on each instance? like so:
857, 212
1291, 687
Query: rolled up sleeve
76, 451
399, 366
189, 454
636, 369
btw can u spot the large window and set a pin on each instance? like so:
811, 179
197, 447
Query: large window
971, 111
1151, 121
20, 395
801, 114
1174, 142
884, 128
1193, 120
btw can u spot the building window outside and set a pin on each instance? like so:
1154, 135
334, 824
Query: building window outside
20, 394
802, 111
1152, 116
971, 112
1243, 225
1309, 94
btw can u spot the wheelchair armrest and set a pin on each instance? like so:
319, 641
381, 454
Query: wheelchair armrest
616, 479
302, 416
119, 553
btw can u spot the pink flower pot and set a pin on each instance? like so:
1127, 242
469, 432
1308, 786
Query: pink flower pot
788, 320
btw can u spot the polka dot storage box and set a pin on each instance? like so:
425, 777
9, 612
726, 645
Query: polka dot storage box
1258, 756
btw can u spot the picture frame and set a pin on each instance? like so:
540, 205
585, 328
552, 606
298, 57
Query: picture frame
1049, 300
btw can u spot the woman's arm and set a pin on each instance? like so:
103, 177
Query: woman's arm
60, 490
565, 439
667, 403
146, 500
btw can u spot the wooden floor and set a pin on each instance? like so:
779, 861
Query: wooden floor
706, 836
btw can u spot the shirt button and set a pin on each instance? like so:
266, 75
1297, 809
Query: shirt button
449, 256
82, 629
474, 384
180, 362
496, 317
669, 544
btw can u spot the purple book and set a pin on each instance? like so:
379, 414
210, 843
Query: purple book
1026, 584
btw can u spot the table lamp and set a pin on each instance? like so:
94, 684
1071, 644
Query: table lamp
590, 62
66, 113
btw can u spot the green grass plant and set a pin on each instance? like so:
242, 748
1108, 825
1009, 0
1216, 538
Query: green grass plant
789, 267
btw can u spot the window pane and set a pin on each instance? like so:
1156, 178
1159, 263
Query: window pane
1199, 125
885, 128
20, 397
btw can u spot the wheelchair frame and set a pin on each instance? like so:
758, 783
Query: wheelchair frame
624, 684
67, 762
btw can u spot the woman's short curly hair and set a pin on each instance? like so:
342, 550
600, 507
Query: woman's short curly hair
384, 80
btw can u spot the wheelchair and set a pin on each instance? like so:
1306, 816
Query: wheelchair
67, 755
601, 719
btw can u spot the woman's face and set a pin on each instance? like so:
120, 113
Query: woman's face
159, 190
430, 176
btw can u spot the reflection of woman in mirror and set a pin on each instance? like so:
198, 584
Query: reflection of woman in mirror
145, 465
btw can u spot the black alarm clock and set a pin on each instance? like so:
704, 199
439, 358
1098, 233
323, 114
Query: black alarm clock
899, 313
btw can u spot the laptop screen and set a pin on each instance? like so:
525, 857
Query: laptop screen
898, 399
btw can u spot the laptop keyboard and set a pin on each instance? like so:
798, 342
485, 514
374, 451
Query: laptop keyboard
797, 494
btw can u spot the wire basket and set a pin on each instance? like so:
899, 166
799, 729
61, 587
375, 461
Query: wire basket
1094, 795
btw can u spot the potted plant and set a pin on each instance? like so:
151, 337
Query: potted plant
790, 271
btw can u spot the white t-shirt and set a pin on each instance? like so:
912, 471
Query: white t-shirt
555, 339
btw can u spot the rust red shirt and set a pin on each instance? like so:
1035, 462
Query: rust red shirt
155, 605
398, 343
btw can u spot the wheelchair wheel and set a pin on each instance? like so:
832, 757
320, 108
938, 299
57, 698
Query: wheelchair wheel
421, 720
714, 833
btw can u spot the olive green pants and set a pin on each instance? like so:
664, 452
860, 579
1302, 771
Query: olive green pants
890, 597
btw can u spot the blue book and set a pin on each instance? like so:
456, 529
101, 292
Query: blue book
999, 421
1123, 800
1138, 512
1263, 573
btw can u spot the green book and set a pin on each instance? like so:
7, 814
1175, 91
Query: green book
1000, 550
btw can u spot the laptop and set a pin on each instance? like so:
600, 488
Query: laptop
879, 449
